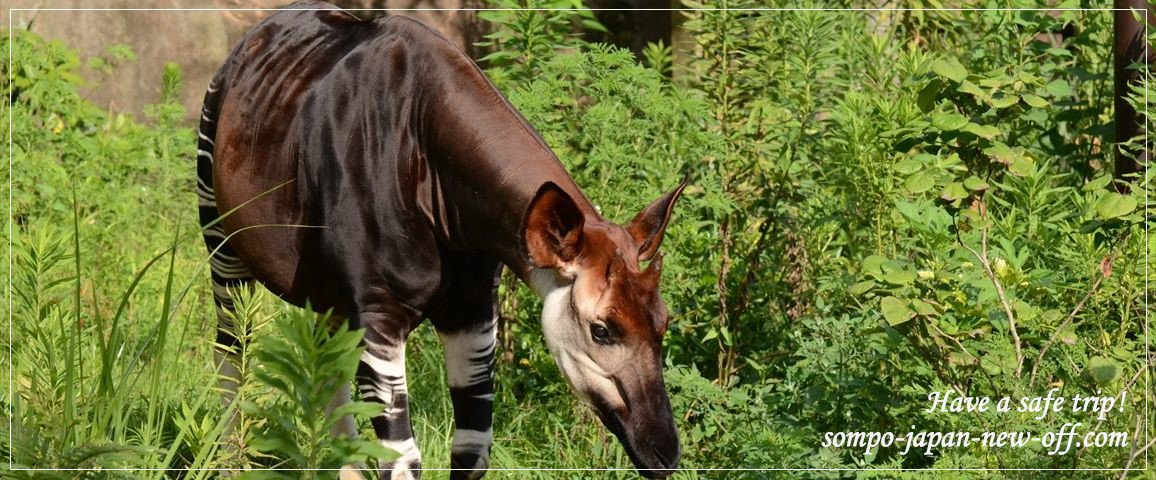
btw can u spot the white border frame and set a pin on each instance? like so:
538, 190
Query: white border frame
1147, 354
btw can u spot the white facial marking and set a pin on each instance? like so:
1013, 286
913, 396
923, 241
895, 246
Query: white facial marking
566, 337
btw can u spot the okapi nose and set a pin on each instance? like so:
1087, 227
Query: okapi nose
667, 461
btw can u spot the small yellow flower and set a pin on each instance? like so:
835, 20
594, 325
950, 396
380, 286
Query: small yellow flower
523, 362
1000, 266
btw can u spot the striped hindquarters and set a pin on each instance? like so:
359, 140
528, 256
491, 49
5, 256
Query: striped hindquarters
227, 270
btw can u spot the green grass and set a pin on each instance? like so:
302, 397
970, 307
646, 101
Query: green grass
117, 371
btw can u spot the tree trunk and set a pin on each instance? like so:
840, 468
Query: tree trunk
1130, 47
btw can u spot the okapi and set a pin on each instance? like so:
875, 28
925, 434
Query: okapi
423, 181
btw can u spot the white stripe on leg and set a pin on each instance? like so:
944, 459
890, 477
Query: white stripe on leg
393, 367
469, 368
387, 384
468, 355
390, 379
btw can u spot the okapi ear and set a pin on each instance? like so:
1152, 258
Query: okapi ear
647, 228
553, 228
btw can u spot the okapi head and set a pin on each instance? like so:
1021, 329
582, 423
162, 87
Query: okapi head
603, 318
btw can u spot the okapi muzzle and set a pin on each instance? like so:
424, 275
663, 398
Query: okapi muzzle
604, 320
645, 428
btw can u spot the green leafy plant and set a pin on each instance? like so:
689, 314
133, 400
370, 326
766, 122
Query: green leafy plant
306, 368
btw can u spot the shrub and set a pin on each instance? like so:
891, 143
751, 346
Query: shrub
871, 218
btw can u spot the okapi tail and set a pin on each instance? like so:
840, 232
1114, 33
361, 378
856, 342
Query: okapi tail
227, 270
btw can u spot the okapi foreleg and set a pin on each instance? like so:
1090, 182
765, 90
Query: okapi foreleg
470, 368
381, 378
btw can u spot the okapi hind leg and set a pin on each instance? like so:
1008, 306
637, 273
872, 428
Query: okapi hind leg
346, 426
228, 277
228, 273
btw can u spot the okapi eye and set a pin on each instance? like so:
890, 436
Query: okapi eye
600, 334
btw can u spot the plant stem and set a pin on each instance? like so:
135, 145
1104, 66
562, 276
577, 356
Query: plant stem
981, 256
1071, 316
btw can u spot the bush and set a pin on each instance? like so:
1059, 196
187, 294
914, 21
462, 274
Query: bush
870, 219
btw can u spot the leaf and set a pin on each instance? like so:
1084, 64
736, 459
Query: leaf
1037, 116
1025, 312
1034, 101
961, 358
1002, 153
593, 25
1023, 167
911, 211
1090, 226
1114, 205
949, 68
982, 131
1103, 370
1097, 183
1068, 336
267, 443
948, 121
909, 165
973, 89
710, 335
873, 264
975, 184
953, 191
928, 94
900, 277
861, 287
920, 182
1029, 78
1059, 88
923, 308
1003, 101
896, 311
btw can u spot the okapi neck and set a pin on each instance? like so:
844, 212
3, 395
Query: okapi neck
486, 165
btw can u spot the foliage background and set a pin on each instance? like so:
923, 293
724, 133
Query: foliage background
883, 204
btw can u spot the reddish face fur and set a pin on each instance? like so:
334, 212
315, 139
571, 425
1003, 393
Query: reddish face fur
628, 295
604, 319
